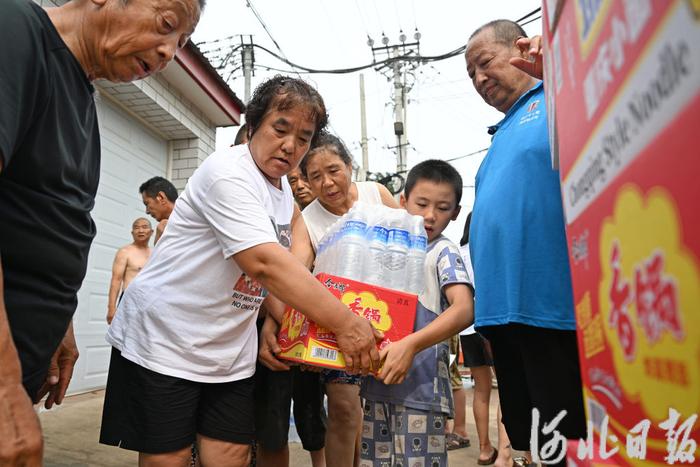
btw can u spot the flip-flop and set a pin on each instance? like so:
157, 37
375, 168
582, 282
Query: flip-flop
490, 460
522, 462
454, 441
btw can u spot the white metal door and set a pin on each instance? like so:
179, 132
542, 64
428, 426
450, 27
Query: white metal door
131, 154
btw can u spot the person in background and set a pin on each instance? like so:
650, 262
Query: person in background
184, 340
49, 173
241, 135
407, 405
300, 188
274, 393
518, 245
275, 390
456, 434
159, 196
328, 168
476, 353
128, 261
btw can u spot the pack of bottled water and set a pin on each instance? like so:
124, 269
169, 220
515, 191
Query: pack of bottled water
377, 245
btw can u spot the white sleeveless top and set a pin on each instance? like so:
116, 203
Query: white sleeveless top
318, 219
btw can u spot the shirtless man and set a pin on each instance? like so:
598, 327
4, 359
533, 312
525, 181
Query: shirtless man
128, 262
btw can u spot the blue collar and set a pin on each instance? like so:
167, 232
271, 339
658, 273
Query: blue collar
513, 108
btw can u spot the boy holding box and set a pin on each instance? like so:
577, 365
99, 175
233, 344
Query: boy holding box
406, 407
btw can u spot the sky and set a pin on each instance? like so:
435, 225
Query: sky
446, 118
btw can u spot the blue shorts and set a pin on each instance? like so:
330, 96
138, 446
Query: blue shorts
395, 435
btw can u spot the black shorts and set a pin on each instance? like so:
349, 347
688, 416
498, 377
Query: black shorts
475, 350
274, 391
537, 368
153, 413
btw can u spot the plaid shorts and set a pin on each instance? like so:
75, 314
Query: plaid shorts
398, 436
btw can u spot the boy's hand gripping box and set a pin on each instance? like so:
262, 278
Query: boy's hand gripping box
390, 311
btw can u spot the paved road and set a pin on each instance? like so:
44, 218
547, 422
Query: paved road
71, 432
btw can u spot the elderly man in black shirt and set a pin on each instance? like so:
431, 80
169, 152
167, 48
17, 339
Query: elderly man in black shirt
49, 171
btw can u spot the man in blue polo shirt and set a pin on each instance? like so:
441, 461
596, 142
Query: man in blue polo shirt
524, 302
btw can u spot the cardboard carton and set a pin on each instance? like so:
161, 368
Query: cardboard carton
390, 311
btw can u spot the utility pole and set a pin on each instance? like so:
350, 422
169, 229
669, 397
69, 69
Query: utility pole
398, 59
399, 113
231, 55
248, 60
363, 129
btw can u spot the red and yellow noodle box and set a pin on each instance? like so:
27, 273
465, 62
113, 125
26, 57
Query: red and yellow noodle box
390, 311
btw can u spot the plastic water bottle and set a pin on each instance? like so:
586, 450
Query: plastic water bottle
351, 246
334, 234
321, 256
377, 235
322, 262
417, 246
396, 252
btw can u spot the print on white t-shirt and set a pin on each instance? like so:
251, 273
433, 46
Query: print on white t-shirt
248, 294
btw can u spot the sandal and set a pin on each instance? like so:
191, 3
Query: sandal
490, 460
523, 462
454, 441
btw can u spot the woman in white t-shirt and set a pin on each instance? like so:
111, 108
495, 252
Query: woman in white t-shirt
328, 169
184, 339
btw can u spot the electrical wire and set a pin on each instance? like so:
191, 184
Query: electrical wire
214, 41
280, 70
405, 58
536, 10
415, 17
398, 16
264, 26
362, 18
533, 19
467, 155
379, 17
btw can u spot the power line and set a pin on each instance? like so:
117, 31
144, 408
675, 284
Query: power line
249, 3
379, 17
533, 19
454, 158
449, 159
415, 17
467, 155
280, 70
536, 10
401, 58
362, 18
389, 60
398, 16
